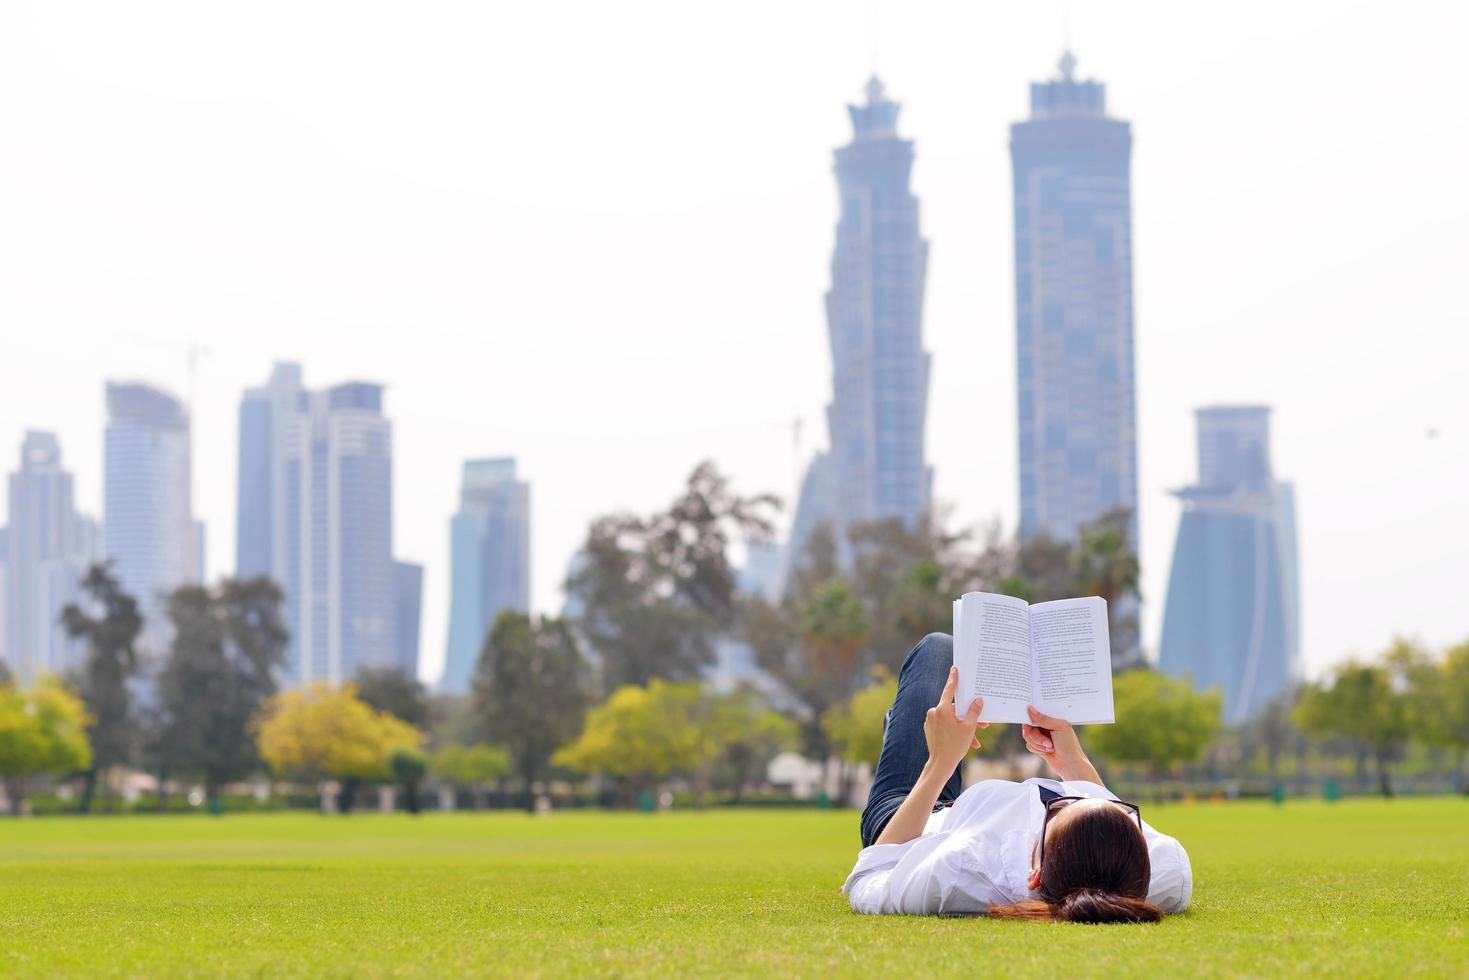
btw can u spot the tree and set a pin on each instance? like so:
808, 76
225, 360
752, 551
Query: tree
753, 734
1451, 730
856, 727
638, 735
1161, 722
655, 593
471, 767
1358, 701
43, 729
392, 690
322, 732
530, 692
643, 734
1105, 565
409, 767
907, 577
227, 644
111, 661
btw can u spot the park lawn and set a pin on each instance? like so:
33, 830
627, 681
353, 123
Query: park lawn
1354, 888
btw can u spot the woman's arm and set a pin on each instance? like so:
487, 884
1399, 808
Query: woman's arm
949, 737
1055, 741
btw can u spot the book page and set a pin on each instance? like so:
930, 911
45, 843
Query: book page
1073, 660
992, 652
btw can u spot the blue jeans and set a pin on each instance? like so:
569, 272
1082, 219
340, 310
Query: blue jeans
904, 749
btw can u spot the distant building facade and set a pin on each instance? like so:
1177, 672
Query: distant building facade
874, 311
1232, 617
489, 558
151, 536
316, 516
47, 548
408, 598
1073, 308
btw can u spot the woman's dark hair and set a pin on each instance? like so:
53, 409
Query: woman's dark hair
1095, 869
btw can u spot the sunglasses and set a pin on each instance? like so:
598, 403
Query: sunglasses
1062, 802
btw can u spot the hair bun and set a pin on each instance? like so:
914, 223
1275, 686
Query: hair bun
1095, 905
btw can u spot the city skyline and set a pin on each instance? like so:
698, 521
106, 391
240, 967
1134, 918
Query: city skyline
511, 299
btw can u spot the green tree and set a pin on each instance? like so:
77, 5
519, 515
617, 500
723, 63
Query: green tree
1360, 702
227, 644
43, 729
639, 735
1451, 729
471, 767
392, 690
642, 734
856, 727
321, 732
530, 692
1104, 564
655, 593
108, 620
409, 766
753, 734
1161, 722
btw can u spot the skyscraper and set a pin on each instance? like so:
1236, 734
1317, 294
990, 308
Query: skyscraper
874, 313
316, 515
48, 548
1073, 308
1232, 617
408, 597
489, 557
151, 536
261, 530
339, 578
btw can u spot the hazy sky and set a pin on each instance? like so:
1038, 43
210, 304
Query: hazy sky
596, 236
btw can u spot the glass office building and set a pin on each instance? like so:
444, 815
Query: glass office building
1073, 308
1232, 618
489, 557
874, 313
316, 516
150, 533
48, 547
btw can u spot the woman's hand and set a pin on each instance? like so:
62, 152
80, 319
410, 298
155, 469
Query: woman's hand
950, 736
1055, 741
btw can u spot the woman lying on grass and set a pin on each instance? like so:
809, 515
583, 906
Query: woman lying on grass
1052, 849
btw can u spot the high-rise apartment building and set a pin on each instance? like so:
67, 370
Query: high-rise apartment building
316, 516
489, 557
1073, 308
151, 536
1232, 617
874, 313
48, 546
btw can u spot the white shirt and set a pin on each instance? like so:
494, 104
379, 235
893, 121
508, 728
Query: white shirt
977, 853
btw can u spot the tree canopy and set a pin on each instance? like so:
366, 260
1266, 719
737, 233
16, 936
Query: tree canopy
1161, 721
43, 729
323, 732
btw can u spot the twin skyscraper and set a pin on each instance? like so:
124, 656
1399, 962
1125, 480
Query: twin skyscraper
1232, 611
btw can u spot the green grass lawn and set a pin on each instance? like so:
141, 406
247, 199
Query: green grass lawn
1359, 887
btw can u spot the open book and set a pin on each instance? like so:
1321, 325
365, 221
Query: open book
1054, 655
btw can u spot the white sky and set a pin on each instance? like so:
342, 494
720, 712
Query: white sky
595, 236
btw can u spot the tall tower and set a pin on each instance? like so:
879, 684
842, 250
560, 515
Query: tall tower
1232, 618
339, 577
151, 535
1073, 308
261, 528
49, 547
874, 314
489, 556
